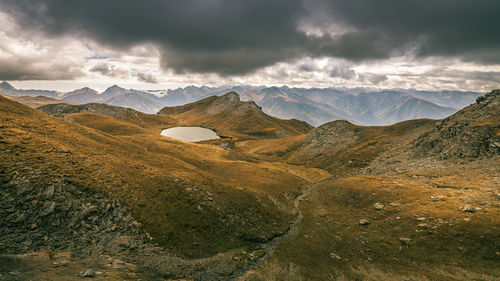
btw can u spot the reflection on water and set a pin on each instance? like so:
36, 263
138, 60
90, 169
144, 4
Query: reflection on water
191, 134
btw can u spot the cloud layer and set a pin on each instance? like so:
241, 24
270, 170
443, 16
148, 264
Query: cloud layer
239, 36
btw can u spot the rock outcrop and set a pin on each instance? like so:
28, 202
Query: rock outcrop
119, 113
470, 133
60, 217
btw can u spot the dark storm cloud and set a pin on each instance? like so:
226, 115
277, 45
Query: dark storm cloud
462, 28
239, 36
31, 69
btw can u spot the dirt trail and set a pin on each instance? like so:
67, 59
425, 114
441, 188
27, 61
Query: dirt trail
270, 246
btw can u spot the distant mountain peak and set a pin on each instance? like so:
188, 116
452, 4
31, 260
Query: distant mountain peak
113, 91
86, 89
114, 88
6, 86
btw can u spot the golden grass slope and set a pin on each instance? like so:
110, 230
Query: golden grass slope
38, 101
421, 231
152, 122
105, 123
192, 198
440, 216
337, 146
201, 199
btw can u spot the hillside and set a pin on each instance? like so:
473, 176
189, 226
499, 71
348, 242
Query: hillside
339, 201
471, 132
37, 101
341, 146
93, 190
83, 95
114, 95
451, 99
388, 107
338, 146
148, 121
229, 116
7, 89
418, 198
284, 103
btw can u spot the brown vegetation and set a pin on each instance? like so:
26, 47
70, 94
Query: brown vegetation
191, 198
38, 101
407, 201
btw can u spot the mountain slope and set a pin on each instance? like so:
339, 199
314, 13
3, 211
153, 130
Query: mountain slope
6, 86
392, 107
186, 95
83, 95
115, 95
149, 121
417, 198
231, 117
285, 103
471, 132
314, 106
451, 99
189, 197
339, 146
137, 100
9, 90
37, 101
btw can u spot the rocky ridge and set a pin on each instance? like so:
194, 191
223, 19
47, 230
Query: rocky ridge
338, 134
120, 113
62, 109
470, 133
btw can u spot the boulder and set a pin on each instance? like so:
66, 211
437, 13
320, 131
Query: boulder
468, 208
364, 222
404, 240
89, 273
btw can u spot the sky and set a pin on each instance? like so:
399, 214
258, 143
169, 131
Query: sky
161, 44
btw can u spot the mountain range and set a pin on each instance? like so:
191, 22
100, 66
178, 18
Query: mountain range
314, 106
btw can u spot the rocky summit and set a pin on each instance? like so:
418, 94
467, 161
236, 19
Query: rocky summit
471, 132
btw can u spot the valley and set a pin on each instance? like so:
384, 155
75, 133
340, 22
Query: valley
96, 187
